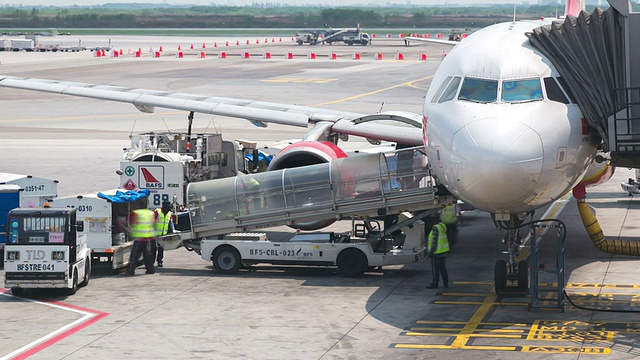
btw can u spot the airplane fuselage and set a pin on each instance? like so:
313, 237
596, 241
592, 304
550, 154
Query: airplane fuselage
502, 134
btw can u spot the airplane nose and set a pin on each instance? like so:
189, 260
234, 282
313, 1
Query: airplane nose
497, 163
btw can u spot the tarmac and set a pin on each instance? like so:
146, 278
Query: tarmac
186, 310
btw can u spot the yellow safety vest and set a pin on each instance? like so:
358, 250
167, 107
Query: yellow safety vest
144, 227
162, 223
448, 215
442, 244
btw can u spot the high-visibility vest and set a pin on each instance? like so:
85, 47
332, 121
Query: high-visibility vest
442, 243
144, 227
448, 215
253, 184
162, 223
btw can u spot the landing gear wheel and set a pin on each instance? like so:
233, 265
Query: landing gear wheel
17, 291
500, 276
352, 262
226, 260
74, 287
523, 276
87, 272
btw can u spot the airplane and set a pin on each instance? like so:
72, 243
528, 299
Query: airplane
501, 130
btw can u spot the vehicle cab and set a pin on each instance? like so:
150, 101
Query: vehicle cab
44, 250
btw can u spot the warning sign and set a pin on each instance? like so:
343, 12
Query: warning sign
129, 185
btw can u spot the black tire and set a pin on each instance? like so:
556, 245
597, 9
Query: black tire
349, 43
74, 288
17, 291
226, 260
300, 42
500, 276
87, 272
352, 262
523, 276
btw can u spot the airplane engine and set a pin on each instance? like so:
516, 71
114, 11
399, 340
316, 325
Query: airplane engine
305, 153
302, 154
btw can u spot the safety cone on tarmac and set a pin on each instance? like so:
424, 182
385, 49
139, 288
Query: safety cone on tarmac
204, 46
215, 44
179, 47
226, 43
237, 42
191, 47
121, 52
160, 49
280, 40
202, 55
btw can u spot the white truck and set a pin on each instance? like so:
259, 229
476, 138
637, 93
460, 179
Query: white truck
347, 36
632, 186
165, 163
105, 218
45, 250
361, 187
22, 45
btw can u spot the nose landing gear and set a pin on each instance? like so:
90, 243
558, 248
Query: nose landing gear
511, 277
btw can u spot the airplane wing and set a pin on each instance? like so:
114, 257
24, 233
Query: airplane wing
430, 40
401, 127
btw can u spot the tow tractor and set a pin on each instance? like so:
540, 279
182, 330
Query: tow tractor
44, 250
361, 187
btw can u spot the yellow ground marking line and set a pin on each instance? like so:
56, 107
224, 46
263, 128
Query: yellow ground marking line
486, 323
475, 321
408, 83
481, 303
463, 294
497, 336
473, 283
445, 330
447, 347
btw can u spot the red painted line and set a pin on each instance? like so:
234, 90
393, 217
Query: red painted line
99, 315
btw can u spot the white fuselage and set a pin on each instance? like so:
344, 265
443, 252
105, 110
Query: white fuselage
497, 141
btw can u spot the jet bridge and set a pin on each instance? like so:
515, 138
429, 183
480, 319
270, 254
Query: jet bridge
595, 54
312, 197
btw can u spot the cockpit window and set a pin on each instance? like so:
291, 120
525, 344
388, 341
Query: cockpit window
567, 89
444, 84
479, 90
521, 90
554, 93
452, 89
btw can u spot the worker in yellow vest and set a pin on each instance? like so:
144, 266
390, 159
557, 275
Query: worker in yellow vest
164, 226
449, 217
143, 233
438, 248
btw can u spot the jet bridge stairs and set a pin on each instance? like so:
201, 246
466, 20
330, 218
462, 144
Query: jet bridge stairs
311, 197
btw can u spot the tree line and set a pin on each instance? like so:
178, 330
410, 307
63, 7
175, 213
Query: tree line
247, 17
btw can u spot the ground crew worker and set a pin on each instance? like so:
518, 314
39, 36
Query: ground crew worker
143, 233
438, 247
449, 217
164, 226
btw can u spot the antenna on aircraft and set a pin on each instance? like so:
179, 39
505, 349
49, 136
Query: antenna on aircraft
514, 13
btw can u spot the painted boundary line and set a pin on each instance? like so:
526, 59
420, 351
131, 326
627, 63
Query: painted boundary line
88, 318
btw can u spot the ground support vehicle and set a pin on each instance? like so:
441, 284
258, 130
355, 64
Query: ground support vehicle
165, 163
36, 190
45, 249
307, 38
10, 198
632, 186
105, 218
347, 36
310, 198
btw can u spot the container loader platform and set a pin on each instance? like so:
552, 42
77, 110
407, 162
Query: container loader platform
395, 185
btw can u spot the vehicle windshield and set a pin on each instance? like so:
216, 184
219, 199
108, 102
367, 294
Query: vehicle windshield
479, 90
525, 90
37, 230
